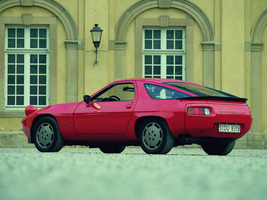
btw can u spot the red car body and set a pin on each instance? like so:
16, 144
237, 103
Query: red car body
115, 120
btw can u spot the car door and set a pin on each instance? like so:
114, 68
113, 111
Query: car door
109, 111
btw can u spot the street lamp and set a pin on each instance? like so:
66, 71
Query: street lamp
96, 33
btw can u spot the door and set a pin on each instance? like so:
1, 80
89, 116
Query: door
109, 111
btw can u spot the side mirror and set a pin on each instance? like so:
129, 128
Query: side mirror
87, 98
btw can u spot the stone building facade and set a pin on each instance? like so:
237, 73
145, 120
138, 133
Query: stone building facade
47, 55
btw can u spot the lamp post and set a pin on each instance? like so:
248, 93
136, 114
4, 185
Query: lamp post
96, 34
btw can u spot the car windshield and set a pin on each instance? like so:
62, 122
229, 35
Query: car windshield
200, 90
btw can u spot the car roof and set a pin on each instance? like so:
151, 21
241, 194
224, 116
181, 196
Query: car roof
148, 80
157, 80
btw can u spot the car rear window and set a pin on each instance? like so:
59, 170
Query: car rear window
200, 90
159, 92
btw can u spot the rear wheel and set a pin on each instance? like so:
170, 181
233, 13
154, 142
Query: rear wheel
155, 137
46, 135
218, 148
112, 149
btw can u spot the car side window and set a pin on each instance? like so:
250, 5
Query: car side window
118, 92
159, 92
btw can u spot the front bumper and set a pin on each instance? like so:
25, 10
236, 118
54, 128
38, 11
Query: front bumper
26, 128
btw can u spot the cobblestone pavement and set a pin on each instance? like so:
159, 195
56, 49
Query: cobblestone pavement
82, 173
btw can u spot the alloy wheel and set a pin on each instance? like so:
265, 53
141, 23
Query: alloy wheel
152, 135
45, 135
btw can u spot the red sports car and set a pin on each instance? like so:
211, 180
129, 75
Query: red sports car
156, 114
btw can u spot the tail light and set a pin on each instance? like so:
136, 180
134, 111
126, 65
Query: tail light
198, 111
216, 125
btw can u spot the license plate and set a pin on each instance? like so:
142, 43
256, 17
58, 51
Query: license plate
229, 128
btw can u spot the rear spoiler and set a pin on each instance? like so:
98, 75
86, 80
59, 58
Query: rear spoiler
216, 98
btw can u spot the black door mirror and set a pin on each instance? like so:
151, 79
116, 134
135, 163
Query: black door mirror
87, 98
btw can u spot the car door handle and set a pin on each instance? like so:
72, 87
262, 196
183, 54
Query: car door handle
129, 105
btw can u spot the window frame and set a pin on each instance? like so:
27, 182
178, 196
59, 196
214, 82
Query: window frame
164, 40
165, 21
27, 51
95, 97
50, 21
163, 52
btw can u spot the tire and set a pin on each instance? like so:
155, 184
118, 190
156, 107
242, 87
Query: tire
155, 137
112, 148
218, 148
46, 135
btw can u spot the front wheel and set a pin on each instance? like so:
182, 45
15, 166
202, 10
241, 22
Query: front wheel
46, 135
155, 137
218, 148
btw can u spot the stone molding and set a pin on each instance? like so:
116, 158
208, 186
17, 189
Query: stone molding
208, 46
27, 19
256, 47
258, 27
130, 14
26, 2
71, 31
53, 6
164, 3
197, 14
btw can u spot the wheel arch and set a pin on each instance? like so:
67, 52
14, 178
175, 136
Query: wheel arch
140, 120
36, 119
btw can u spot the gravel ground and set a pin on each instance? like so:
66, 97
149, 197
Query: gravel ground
82, 173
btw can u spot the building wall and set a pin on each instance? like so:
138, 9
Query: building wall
225, 45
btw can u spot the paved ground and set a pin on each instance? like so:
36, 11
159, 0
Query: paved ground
81, 173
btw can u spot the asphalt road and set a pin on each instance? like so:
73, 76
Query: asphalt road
82, 173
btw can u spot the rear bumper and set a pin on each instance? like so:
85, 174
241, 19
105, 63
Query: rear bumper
221, 113
206, 127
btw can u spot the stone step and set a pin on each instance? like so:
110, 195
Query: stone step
14, 139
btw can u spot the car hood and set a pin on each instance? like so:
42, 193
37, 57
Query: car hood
59, 109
